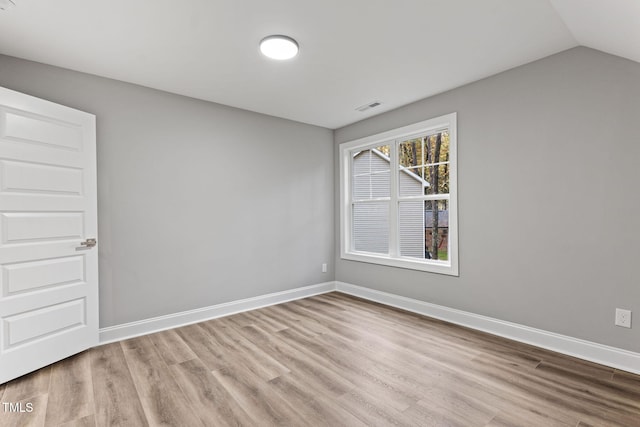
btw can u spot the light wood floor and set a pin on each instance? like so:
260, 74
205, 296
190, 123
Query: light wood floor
329, 360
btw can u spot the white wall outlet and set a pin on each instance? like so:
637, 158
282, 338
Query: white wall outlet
623, 318
324, 268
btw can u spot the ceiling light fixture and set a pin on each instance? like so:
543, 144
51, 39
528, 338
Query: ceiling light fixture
279, 47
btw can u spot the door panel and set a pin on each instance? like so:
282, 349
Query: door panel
29, 227
27, 276
48, 281
42, 130
37, 324
23, 177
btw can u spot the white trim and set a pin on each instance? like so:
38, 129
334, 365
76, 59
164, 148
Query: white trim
376, 199
414, 130
599, 353
170, 321
393, 138
606, 355
431, 266
394, 232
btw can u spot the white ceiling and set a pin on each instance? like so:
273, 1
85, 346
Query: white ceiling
352, 52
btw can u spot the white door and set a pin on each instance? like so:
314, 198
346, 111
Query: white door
48, 209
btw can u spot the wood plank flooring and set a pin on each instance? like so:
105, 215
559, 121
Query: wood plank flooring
329, 360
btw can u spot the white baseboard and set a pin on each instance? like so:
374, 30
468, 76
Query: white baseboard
161, 323
594, 352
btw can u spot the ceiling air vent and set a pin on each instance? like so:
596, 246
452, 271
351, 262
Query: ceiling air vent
368, 106
6, 4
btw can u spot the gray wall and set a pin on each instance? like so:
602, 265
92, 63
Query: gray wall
549, 213
198, 203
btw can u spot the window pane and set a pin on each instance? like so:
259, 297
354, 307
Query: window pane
411, 229
380, 184
380, 159
371, 161
437, 148
385, 150
366, 187
411, 182
410, 153
424, 151
362, 187
371, 227
371, 173
418, 224
416, 176
436, 223
361, 162
437, 179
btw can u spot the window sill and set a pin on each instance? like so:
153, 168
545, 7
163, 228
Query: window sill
439, 267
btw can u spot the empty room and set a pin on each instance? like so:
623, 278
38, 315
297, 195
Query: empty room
319, 213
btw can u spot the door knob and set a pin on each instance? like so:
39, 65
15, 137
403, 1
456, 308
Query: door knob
89, 243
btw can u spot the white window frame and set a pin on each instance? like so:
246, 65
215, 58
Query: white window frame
393, 138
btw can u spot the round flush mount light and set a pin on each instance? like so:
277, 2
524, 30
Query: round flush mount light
279, 47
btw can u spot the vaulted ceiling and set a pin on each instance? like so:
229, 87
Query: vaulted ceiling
351, 52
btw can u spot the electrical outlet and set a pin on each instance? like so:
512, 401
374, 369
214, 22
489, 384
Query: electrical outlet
324, 268
623, 318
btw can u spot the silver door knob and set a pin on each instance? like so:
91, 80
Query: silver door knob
89, 243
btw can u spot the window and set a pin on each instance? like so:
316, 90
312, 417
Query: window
398, 197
